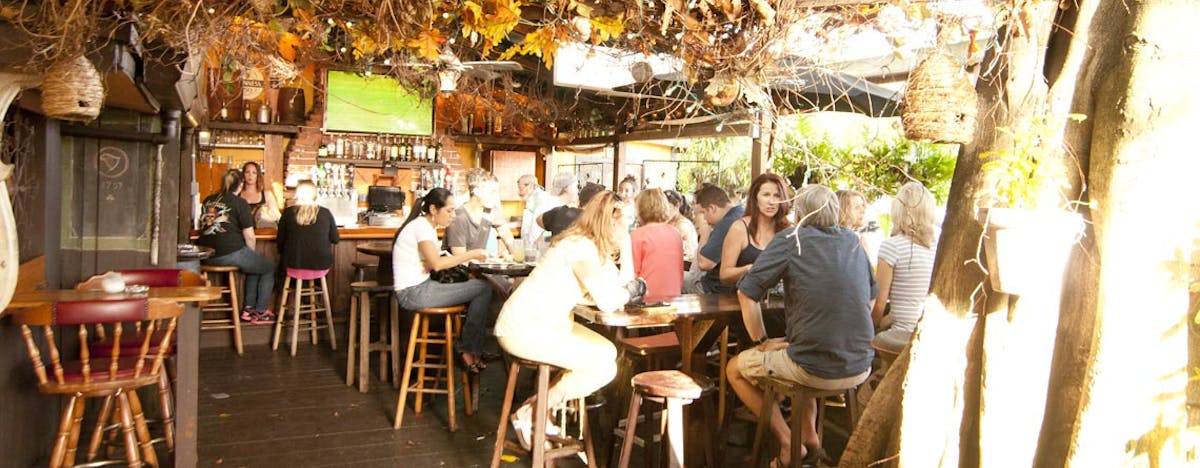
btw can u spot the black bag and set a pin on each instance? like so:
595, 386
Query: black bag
454, 274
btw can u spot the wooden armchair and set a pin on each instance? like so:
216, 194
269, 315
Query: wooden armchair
131, 342
112, 374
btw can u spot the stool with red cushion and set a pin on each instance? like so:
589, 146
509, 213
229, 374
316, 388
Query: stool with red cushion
112, 375
132, 342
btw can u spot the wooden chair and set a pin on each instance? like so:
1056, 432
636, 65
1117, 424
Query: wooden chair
301, 289
226, 278
564, 447
131, 344
675, 390
441, 362
362, 268
798, 393
111, 375
361, 295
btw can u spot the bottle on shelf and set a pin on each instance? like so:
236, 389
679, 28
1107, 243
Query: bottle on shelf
370, 151
498, 125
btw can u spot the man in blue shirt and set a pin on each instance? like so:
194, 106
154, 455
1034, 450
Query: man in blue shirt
829, 289
713, 203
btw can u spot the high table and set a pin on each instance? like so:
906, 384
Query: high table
187, 349
698, 320
383, 272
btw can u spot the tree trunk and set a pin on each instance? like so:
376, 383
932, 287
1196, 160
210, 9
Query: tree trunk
1105, 381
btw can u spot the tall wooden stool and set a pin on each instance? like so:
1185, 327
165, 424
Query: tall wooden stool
798, 393
441, 362
676, 390
226, 278
361, 268
564, 446
362, 294
302, 289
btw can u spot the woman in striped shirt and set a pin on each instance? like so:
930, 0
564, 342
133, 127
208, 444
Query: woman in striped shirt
905, 265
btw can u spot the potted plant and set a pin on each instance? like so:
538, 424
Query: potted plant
1027, 231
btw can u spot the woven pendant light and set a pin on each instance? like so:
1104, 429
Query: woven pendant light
73, 90
939, 102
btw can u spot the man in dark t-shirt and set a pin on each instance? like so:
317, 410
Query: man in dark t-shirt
829, 290
713, 203
223, 218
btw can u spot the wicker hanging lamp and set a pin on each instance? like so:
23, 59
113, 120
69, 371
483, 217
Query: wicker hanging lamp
939, 103
73, 90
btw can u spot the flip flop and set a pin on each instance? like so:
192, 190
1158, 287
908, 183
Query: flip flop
817, 456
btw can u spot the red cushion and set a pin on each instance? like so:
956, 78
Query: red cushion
73, 371
100, 311
152, 277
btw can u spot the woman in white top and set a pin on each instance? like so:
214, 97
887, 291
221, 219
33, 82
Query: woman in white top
905, 266
416, 252
687, 231
536, 322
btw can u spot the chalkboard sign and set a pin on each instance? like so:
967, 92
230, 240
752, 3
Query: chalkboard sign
375, 104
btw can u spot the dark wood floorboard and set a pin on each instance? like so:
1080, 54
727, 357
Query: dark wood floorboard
267, 408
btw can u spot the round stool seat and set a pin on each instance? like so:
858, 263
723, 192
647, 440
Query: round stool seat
671, 384
531, 363
884, 353
219, 268
456, 309
370, 286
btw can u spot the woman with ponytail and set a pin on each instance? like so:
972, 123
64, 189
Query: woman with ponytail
415, 252
227, 227
307, 233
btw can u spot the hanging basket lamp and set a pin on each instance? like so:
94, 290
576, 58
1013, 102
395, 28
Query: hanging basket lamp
73, 90
939, 102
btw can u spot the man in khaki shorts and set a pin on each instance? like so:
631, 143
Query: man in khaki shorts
829, 288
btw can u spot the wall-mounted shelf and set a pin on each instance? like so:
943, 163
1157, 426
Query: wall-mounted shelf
380, 163
497, 140
211, 147
253, 127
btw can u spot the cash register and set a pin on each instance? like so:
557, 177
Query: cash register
382, 204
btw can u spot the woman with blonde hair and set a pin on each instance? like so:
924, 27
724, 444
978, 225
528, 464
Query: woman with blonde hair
307, 233
536, 322
905, 266
853, 206
657, 246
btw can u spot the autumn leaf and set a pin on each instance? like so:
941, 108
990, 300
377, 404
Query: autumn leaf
542, 43
428, 44
607, 27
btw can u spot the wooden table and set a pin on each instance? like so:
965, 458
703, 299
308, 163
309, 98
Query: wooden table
187, 354
698, 320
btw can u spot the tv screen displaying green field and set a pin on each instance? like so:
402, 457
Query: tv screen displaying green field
375, 104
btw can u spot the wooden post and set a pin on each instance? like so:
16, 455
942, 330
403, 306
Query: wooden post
760, 146
618, 162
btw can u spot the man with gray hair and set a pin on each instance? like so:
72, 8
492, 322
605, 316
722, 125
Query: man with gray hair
829, 289
533, 196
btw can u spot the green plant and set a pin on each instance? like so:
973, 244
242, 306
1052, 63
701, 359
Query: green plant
1024, 168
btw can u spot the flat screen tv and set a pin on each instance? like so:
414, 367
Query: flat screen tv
375, 104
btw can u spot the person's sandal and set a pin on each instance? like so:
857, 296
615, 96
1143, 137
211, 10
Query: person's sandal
817, 456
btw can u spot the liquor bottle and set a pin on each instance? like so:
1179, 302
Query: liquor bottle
498, 125
339, 147
471, 123
433, 152
393, 150
487, 124
370, 149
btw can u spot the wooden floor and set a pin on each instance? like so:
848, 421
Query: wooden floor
267, 408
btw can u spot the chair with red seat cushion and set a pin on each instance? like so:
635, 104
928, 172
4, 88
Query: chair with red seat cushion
111, 374
130, 344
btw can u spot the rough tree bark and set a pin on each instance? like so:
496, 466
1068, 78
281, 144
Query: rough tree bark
1103, 384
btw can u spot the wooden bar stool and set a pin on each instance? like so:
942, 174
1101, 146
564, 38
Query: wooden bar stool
676, 390
439, 360
361, 268
226, 278
798, 393
362, 294
302, 290
564, 447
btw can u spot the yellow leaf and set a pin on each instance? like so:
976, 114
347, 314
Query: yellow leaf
428, 44
607, 27
544, 43
580, 8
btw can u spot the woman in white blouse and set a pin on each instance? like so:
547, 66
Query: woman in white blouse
536, 322
416, 251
